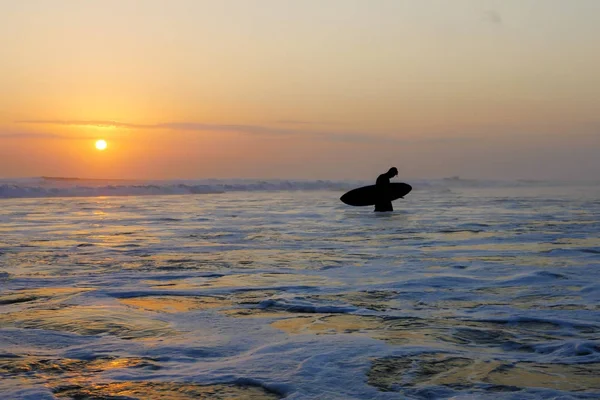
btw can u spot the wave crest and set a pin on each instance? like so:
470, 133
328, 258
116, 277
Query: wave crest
73, 187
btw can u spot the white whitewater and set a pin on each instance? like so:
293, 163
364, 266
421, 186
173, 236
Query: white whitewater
468, 290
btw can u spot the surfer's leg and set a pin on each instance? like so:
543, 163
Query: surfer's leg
384, 206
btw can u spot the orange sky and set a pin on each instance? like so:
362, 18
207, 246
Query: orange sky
307, 89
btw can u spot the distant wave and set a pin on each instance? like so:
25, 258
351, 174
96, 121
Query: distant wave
75, 187
81, 187
457, 182
59, 178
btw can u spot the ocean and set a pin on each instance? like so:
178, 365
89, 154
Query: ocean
276, 289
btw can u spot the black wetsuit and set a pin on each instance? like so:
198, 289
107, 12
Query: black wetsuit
383, 186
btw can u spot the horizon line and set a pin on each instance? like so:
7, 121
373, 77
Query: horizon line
446, 178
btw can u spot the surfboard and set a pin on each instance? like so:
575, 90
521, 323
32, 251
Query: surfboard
367, 195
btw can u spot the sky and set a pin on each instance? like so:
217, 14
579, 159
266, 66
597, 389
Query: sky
303, 89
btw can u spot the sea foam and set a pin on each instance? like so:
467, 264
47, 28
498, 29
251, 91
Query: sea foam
79, 187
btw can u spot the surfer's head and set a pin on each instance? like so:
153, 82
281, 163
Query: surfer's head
392, 172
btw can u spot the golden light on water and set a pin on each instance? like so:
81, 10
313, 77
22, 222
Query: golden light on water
101, 144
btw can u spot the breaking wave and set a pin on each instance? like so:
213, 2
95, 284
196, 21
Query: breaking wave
73, 187
78, 187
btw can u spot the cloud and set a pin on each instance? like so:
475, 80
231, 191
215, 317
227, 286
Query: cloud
180, 126
204, 127
251, 129
88, 123
259, 130
41, 135
493, 17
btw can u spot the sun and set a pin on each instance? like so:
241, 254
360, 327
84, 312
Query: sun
101, 144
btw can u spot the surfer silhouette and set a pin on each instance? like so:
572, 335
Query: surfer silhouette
383, 188
381, 194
